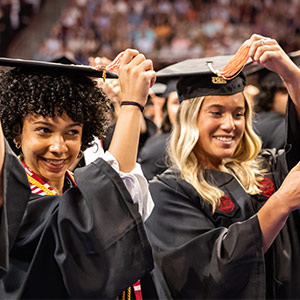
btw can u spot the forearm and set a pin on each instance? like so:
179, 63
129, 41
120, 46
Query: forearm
135, 77
124, 144
272, 217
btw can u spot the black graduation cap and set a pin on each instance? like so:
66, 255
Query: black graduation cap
197, 77
56, 67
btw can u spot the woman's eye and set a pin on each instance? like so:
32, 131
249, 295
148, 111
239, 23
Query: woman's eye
239, 115
43, 130
73, 132
216, 113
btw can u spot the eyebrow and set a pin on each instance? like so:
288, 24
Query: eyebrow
52, 125
222, 106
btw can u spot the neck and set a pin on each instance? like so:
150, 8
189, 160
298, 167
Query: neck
57, 186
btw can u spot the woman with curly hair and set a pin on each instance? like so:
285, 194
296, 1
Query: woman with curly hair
226, 219
64, 235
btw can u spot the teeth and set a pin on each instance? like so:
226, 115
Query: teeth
55, 162
224, 139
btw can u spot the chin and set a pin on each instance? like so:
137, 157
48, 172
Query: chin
226, 155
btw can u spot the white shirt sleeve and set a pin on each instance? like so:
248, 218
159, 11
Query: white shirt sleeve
135, 182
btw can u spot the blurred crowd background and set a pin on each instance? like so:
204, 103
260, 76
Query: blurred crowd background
165, 30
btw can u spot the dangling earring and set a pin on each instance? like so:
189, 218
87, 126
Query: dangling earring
80, 154
18, 145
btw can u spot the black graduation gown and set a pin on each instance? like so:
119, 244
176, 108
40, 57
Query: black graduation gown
153, 155
202, 255
87, 243
270, 126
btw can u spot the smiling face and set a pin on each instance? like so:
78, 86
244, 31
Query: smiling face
50, 146
221, 124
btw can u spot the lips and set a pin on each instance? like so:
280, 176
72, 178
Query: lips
56, 163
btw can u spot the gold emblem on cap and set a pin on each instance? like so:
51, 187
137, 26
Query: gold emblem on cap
103, 69
218, 80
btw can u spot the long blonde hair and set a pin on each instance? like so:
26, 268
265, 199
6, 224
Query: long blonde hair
243, 164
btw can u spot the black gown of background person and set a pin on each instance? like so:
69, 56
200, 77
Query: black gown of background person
87, 243
153, 155
270, 126
219, 256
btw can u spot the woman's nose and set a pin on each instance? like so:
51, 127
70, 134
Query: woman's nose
228, 123
58, 144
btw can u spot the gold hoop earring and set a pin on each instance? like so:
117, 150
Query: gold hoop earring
18, 145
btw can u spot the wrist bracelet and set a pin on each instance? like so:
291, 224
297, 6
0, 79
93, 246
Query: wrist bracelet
141, 107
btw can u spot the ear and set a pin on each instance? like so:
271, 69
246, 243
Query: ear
17, 139
17, 132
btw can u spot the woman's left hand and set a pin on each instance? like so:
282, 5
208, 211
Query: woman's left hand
136, 74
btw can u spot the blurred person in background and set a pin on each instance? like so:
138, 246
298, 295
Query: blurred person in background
153, 156
270, 107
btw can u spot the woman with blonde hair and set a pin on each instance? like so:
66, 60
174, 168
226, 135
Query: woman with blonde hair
226, 213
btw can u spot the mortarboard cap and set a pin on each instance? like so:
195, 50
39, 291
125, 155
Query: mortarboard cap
35, 65
196, 77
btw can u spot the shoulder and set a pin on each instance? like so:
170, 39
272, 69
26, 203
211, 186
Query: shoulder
170, 190
169, 180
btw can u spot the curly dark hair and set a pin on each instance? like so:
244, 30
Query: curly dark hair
47, 93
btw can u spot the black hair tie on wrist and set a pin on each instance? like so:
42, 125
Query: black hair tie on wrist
141, 107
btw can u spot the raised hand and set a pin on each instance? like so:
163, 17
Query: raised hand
267, 52
136, 75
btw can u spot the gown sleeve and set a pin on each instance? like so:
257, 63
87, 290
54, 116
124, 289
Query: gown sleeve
136, 184
107, 238
15, 201
293, 136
